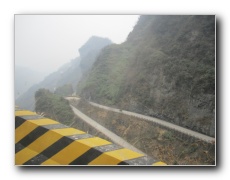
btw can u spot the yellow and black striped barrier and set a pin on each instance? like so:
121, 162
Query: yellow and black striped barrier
43, 141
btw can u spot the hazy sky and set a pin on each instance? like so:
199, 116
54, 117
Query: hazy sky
45, 42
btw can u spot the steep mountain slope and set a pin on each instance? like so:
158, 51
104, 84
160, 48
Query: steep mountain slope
90, 50
69, 74
166, 68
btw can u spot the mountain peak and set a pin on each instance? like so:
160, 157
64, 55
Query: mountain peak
94, 43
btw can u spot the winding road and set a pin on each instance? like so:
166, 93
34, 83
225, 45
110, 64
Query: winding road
155, 120
115, 138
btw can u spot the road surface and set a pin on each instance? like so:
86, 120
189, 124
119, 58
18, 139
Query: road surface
161, 122
156, 120
116, 139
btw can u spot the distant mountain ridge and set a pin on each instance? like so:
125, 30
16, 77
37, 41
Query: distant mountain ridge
24, 79
90, 50
69, 73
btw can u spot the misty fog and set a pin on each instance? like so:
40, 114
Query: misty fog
152, 85
45, 42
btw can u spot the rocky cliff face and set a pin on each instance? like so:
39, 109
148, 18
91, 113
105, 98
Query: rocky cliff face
166, 68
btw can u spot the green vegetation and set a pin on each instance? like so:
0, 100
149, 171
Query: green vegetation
90, 50
168, 135
166, 68
167, 145
65, 90
109, 77
53, 106
69, 73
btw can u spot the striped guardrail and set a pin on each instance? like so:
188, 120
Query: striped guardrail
43, 141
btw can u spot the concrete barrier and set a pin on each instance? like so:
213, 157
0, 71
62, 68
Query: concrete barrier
43, 141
